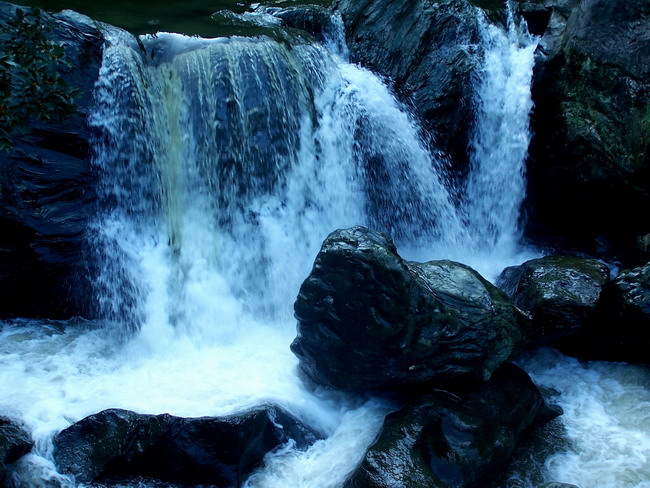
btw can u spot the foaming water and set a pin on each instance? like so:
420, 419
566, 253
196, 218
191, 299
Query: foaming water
496, 184
606, 422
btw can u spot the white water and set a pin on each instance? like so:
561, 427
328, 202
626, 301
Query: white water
495, 188
606, 421
225, 163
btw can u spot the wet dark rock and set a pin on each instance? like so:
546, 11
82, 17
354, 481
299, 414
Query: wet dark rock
310, 18
622, 332
119, 444
369, 320
15, 442
441, 440
46, 189
429, 51
559, 292
589, 167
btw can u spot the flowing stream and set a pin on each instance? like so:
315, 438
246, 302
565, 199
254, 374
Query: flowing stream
224, 164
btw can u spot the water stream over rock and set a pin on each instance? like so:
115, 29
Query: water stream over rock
224, 164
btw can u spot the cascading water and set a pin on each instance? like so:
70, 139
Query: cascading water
224, 163
495, 187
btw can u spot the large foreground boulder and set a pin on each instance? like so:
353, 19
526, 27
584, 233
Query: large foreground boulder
119, 444
429, 50
46, 184
15, 442
444, 441
369, 320
559, 292
589, 168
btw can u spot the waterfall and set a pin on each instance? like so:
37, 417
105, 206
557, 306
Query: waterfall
226, 162
223, 165
496, 184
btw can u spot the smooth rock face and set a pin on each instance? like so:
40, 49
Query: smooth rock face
589, 168
310, 18
623, 330
369, 320
47, 190
442, 441
429, 50
118, 444
15, 442
559, 292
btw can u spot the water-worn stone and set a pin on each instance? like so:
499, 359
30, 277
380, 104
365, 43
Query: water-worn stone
589, 167
15, 442
559, 292
46, 188
311, 18
369, 320
623, 329
119, 444
442, 440
429, 50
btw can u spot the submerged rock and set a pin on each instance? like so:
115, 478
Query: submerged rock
367, 319
429, 50
589, 167
443, 441
559, 292
46, 187
119, 444
15, 442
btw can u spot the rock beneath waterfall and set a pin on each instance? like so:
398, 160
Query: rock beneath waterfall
369, 320
15, 442
559, 292
119, 444
429, 50
589, 167
623, 329
441, 440
47, 189
311, 18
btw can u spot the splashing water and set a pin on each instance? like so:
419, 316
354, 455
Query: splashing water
606, 421
496, 184
224, 164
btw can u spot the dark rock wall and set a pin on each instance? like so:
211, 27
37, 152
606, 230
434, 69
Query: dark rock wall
589, 168
47, 191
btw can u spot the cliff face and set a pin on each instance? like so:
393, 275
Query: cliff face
46, 190
589, 168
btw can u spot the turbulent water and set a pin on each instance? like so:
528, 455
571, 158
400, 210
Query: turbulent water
496, 185
224, 163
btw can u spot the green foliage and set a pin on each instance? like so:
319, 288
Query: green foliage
31, 86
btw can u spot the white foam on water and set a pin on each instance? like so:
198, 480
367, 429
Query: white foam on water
606, 420
224, 164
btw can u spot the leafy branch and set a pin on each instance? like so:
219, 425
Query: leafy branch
31, 86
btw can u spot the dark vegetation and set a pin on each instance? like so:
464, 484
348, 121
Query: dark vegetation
31, 86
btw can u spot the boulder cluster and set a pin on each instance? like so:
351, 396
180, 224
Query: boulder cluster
440, 338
